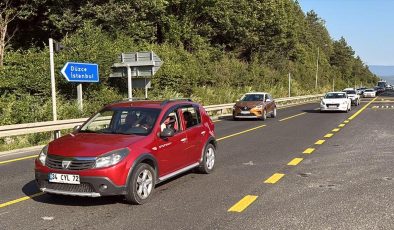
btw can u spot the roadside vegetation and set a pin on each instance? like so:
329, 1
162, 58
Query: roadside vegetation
213, 52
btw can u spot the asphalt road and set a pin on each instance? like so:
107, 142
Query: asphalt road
347, 182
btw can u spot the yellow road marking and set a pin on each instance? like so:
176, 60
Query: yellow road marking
319, 142
309, 150
295, 161
216, 121
336, 129
20, 200
328, 135
17, 159
362, 109
287, 118
245, 131
341, 125
274, 178
347, 121
243, 203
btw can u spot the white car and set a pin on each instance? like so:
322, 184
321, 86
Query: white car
335, 101
353, 95
369, 93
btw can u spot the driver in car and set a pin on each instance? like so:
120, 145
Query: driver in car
147, 122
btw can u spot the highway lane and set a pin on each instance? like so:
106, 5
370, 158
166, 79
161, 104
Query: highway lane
347, 183
21, 171
192, 200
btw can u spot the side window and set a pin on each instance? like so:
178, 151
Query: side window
191, 116
171, 122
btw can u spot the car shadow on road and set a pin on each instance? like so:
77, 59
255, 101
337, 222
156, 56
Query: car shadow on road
311, 110
230, 118
30, 189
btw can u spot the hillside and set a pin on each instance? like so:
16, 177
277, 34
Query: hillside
213, 52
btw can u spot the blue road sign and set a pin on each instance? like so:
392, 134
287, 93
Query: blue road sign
80, 72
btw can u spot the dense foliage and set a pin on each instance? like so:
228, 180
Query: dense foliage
213, 51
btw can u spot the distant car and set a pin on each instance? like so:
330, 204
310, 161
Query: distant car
369, 93
379, 89
335, 101
361, 90
255, 105
127, 148
354, 97
382, 84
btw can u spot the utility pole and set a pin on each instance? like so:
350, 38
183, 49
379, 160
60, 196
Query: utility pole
53, 83
317, 66
333, 84
289, 84
56, 134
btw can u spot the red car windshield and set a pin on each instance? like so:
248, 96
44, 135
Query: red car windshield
139, 121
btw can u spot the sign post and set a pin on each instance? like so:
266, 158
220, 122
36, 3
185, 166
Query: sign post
129, 83
138, 67
79, 96
80, 72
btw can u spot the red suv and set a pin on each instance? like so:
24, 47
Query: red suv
127, 148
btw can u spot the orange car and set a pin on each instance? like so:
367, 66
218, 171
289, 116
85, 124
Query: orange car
254, 105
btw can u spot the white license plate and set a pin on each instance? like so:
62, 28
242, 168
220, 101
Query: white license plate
332, 106
63, 178
245, 112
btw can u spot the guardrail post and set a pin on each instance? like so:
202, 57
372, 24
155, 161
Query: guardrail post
56, 134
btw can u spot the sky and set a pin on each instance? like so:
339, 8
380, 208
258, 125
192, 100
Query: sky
367, 26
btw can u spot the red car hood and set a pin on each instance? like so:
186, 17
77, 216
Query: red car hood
90, 144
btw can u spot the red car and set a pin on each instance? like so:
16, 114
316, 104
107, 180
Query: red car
127, 148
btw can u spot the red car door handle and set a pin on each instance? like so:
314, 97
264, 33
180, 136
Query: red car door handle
184, 140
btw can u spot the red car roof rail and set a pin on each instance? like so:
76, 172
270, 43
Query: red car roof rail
175, 99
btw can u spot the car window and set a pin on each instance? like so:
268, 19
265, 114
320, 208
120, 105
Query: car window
100, 121
335, 95
350, 91
138, 121
253, 97
191, 116
171, 121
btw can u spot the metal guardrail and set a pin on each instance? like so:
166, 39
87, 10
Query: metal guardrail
225, 109
213, 110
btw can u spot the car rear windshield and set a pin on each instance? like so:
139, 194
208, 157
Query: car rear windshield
253, 97
350, 91
139, 121
335, 95
369, 90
